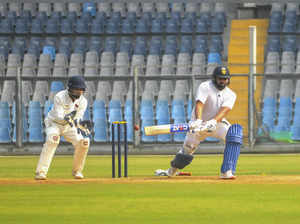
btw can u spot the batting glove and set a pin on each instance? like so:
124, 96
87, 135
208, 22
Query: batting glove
210, 125
196, 124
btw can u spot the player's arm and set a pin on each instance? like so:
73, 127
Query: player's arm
222, 113
198, 110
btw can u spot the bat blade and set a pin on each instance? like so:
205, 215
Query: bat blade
166, 129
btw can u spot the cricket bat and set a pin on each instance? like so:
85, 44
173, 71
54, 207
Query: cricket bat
166, 129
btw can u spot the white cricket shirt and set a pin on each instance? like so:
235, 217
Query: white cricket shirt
63, 105
213, 99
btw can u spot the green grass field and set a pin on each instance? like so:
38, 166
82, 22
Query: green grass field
267, 191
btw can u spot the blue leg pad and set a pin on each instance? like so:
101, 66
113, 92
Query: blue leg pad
234, 141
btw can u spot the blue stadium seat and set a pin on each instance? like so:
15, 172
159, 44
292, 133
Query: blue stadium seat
50, 41
35, 122
116, 16
33, 49
87, 114
127, 26
289, 27
100, 130
86, 16
113, 26
6, 26
35, 134
100, 122
80, 45
42, 16
276, 17
66, 26
176, 16
52, 27
131, 16
206, 17
128, 113
274, 43
126, 45
172, 26
115, 114
99, 111
274, 27
162, 17
57, 86
89, 7
178, 111
269, 113
163, 117
25, 124
82, 26
115, 111
5, 41
26, 15
142, 26
284, 114
36, 26
110, 44
4, 110
192, 16
155, 45
21, 26
146, 110
101, 16
217, 40
95, 44
49, 50
187, 26
18, 49
4, 51
97, 26
221, 17
147, 122
201, 26
214, 58
216, 26
290, 43
56, 15
72, 16
171, 49
5, 135
147, 16
12, 16
157, 26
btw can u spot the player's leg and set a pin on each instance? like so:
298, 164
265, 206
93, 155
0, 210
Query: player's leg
185, 155
81, 147
233, 137
49, 148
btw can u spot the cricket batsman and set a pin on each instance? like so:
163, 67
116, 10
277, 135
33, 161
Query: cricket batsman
65, 119
214, 99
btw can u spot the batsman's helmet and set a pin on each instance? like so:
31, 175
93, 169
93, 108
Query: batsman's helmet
76, 82
223, 73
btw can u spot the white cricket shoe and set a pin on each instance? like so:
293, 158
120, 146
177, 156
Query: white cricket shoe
40, 176
168, 173
77, 175
227, 175
161, 172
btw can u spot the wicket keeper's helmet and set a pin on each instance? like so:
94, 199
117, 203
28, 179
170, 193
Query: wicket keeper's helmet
76, 82
223, 73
